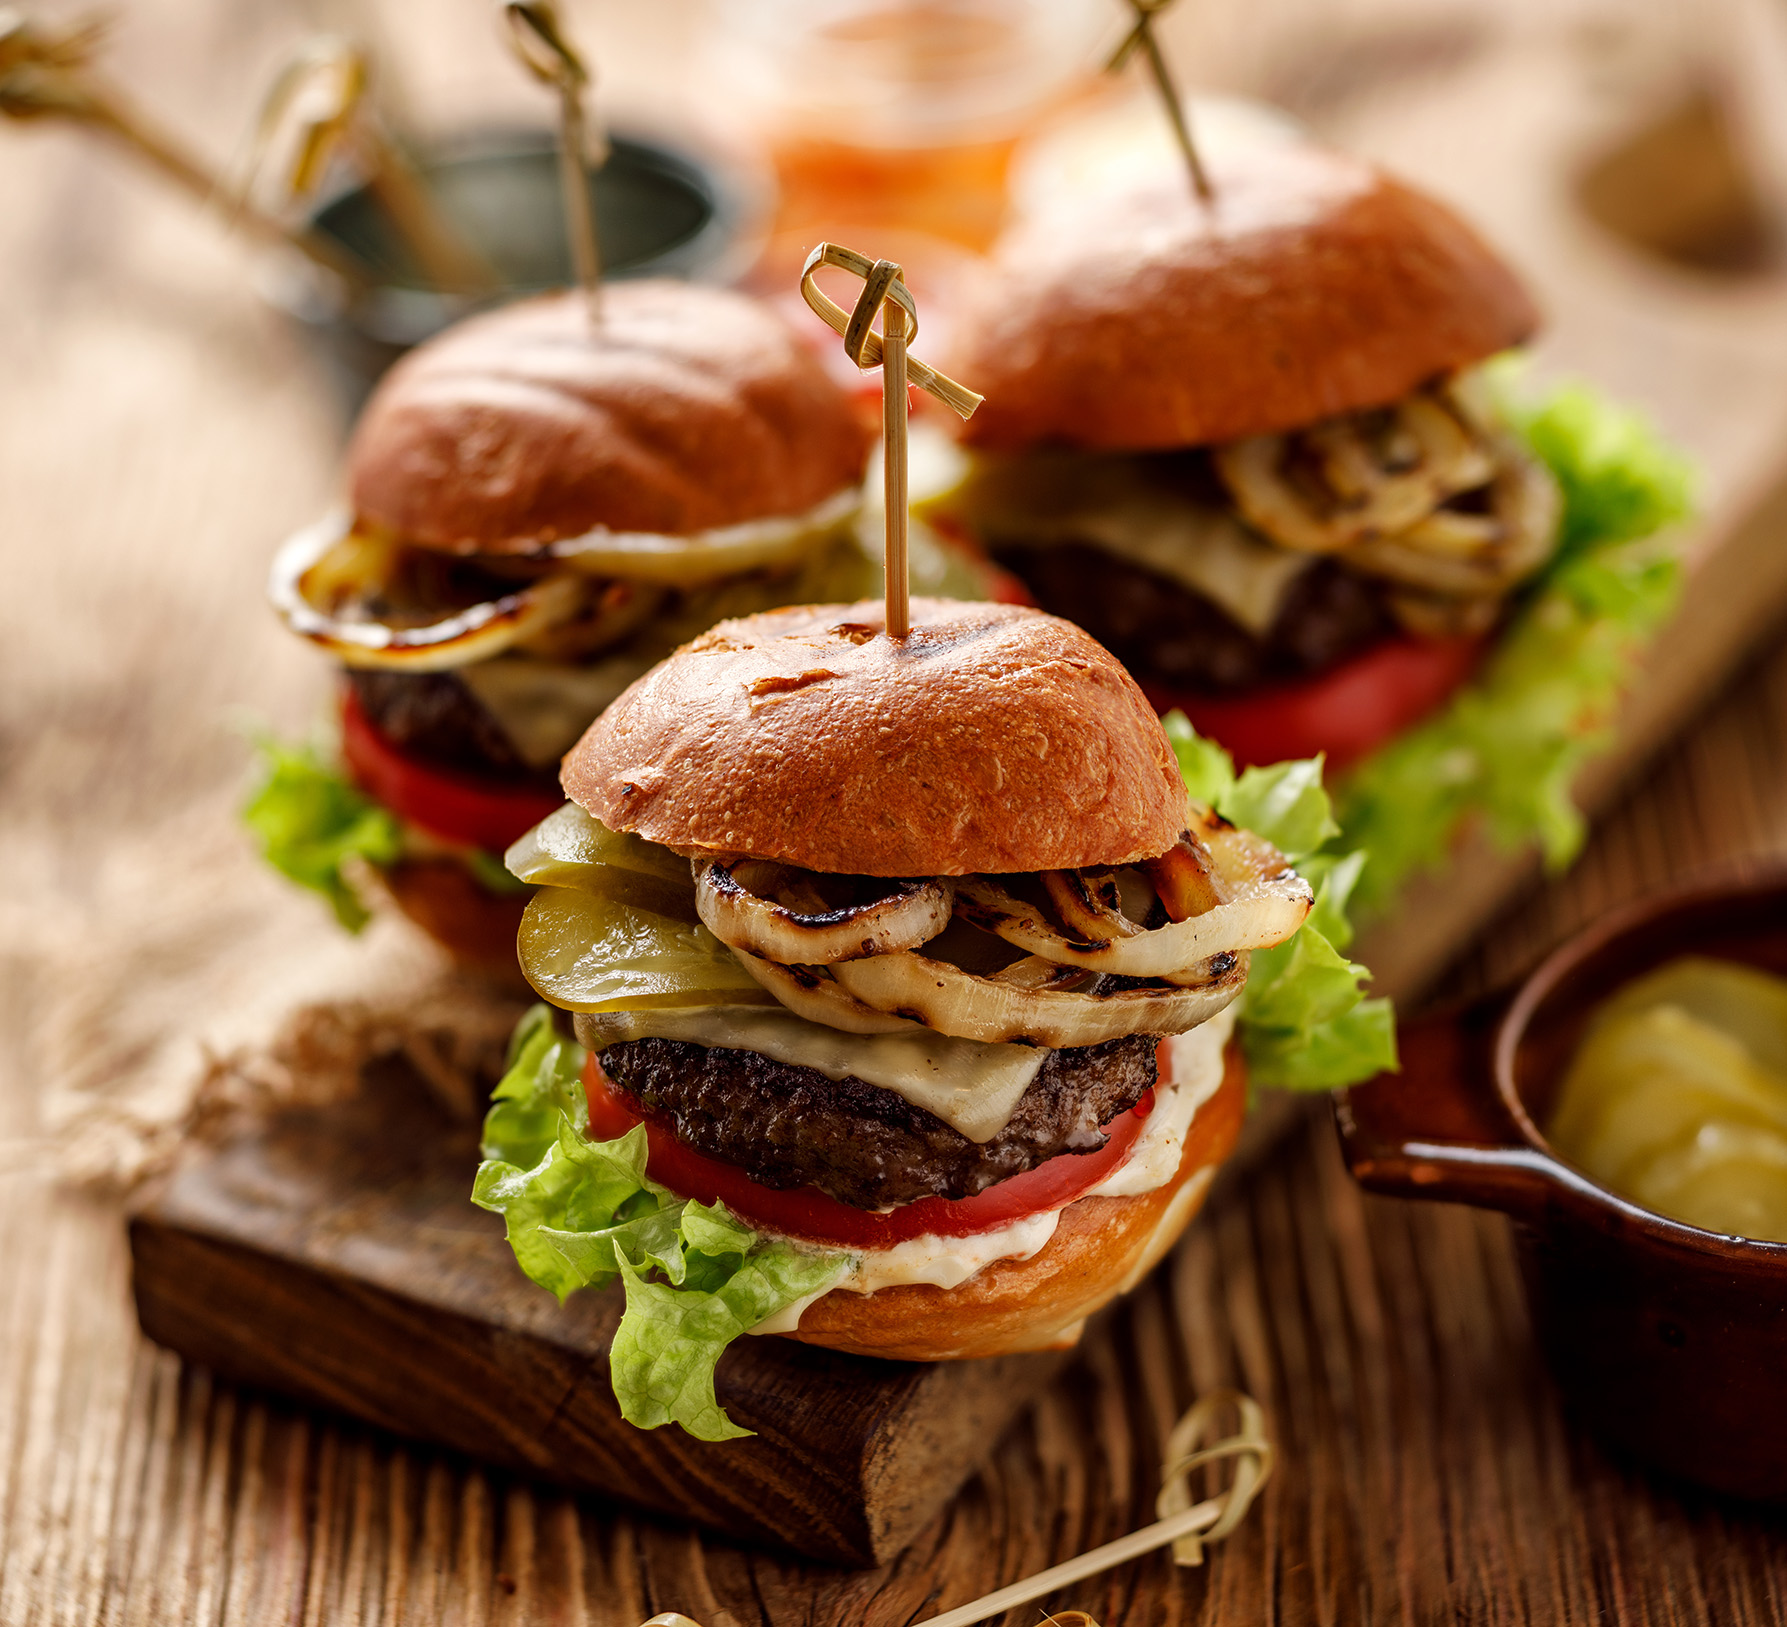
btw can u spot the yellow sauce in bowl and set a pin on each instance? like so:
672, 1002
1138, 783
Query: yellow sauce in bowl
1677, 1097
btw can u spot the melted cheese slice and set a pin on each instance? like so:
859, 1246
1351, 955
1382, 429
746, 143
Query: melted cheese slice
544, 706
1113, 502
973, 1088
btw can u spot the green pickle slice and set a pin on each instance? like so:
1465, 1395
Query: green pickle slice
588, 952
572, 849
1677, 1098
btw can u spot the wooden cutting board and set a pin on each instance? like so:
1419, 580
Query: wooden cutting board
333, 1254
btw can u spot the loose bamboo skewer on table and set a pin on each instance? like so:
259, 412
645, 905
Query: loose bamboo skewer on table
1184, 1524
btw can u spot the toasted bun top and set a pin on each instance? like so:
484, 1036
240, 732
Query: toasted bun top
993, 738
1312, 284
684, 408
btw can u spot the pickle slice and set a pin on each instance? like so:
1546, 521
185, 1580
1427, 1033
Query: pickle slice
586, 952
573, 849
1677, 1098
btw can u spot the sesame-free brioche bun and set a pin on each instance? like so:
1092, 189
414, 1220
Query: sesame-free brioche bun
683, 408
1312, 284
1102, 1247
993, 738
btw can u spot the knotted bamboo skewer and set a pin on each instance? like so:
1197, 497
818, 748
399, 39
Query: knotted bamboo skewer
319, 101
545, 50
884, 290
1141, 38
1186, 1525
47, 75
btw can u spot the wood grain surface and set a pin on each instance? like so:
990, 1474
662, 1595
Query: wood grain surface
328, 1253
160, 430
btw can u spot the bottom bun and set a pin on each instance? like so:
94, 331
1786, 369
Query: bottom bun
1102, 1248
475, 926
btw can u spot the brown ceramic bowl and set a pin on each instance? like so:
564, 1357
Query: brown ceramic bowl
1668, 1340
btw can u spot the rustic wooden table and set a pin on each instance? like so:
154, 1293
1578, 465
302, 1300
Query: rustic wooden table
159, 429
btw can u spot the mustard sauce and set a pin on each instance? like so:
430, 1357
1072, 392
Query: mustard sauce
1677, 1097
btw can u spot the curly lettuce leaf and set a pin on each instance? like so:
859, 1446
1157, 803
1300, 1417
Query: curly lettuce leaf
312, 824
579, 1213
1305, 1023
1509, 746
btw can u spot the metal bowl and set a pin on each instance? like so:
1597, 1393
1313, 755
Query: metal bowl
660, 212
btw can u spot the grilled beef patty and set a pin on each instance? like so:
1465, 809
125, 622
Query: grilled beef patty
787, 1126
1162, 630
433, 716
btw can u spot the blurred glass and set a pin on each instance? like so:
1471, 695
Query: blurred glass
901, 114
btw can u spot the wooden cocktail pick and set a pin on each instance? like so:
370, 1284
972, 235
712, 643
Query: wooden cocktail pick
47, 74
317, 106
540, 41
1141, 38
1184, 1524
884, 290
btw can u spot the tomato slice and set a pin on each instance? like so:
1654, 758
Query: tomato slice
810, 1214
460, 808
996, 583
1348, 711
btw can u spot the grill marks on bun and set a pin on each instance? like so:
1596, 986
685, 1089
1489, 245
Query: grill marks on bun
993, 739
1313, 284
686, 409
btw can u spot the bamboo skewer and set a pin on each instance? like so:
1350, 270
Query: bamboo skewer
1141, 38
45, 75
322, 91
1187, 1525
545, 50
897, 586
884, 290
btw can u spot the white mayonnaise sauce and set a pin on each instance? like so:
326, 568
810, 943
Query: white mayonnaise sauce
948, 1262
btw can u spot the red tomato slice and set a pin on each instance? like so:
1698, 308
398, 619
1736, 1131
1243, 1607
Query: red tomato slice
997, 583
459, 808
1348, 711
808, 1213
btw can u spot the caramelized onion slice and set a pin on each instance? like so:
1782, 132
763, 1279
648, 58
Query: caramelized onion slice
914, 913
952, 1001
809, 993
1264, 909
1475, 555
330, 552
1089, 903
1375, 485
707, 556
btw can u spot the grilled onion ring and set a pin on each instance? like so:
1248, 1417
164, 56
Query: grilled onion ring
1369, 497
456, 640
952, 1001
1088, 903
1475, 555
702, 557
1265, 915
915, 913
816, 997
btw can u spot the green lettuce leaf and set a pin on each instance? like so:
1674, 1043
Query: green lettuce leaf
579, 1213
1508, 747
1305, 1023
1284, 803
311, 823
